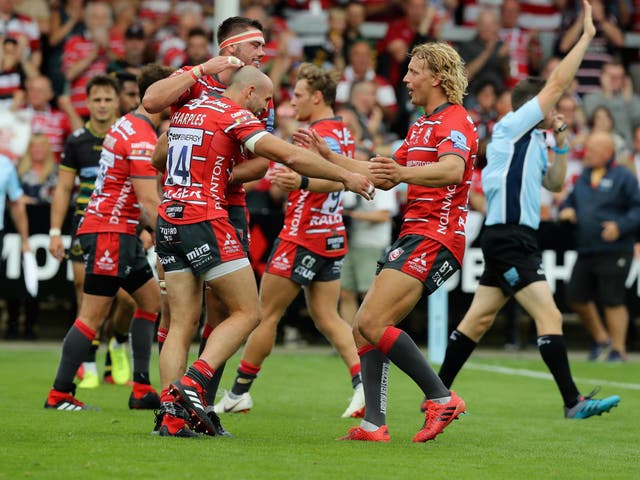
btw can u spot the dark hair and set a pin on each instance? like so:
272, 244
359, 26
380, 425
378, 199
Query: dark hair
198, 32
318, 79
525, 90
600, 108
233, 25
102, 80
150, 74
124, 76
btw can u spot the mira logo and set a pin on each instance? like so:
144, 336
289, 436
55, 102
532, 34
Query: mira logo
106, 262
198, 251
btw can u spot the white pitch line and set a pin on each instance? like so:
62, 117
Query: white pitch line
523, 372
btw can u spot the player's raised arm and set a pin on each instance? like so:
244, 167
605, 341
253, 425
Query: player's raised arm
167, 91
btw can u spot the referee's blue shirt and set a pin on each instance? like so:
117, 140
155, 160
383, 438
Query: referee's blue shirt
517, 162
9, 185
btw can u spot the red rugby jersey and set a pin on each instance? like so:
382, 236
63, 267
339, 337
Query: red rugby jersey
236, 194
314, 220
439, 213
206, 138
126, 154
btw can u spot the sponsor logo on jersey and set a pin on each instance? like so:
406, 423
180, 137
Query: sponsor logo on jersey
281, 262
459, 140
445, 270
167, 260
418, 264
335, 243
200, 251
106, 263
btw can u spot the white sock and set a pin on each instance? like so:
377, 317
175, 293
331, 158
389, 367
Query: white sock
441, 400
90, 367
368, 426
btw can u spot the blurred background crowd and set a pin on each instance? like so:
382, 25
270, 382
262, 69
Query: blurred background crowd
50, 49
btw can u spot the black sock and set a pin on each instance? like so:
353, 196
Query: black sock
214, 383
75, 347
459, 350
554, 353
121, 337
194, 374
93, 348
107, 364
141, 342
375, 378
398, 346
356, 380
247, 373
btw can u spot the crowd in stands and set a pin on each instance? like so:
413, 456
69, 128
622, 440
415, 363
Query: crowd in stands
51, 49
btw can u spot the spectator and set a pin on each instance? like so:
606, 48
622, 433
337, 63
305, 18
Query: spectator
10, 187
136, 51
601, 120
37, 171
484, 113
14, 70
88, 54
197, 49
56, 123
24, 30
355, 17
369, 236
418, 20
609, 36
525, 55
486, 56
172, 48
368, 114
569, 108
331, 53
616, 93
605, 206
66, 21
361, 67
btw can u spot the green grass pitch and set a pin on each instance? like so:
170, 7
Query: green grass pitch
514, 428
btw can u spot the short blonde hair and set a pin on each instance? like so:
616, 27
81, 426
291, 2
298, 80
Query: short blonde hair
443, 60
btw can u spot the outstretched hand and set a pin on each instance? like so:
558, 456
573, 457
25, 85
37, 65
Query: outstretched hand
311, 140
361, 185
285, 179
385, 169
588, 28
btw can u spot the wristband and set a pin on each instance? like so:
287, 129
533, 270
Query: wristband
304, 182
55, 232
196, 72
561, 151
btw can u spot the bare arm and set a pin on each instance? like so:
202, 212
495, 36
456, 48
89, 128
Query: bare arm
59, 209
310, 164
563, 74
288, 180
375, 216
147, 194
554, 178
449, 170
167, 91
159, 157
250, 170
18, 211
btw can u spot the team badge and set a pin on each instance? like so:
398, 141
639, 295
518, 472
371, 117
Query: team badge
395, 254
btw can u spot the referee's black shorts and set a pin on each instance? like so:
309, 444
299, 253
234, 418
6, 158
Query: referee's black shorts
512, 257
